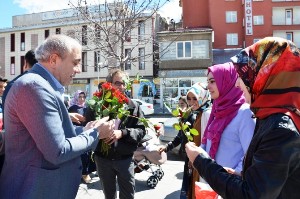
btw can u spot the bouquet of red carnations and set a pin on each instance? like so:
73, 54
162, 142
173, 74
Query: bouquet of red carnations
108, 102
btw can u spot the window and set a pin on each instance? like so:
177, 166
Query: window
46, 34
256, 40
22, 60
258, 20
57, 31
128, 62
127, 31
232, 39
184, 49
141, 58
289, 36
12, 65
22, 41
84, 62
288, 17
12, 42
141, 30
231, 16
84, 35
96, 60
97, 34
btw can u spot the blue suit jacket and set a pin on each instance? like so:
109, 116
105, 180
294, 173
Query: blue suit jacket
42, 147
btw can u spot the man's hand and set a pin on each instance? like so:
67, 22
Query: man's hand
117, 134
77, 118
105, 127
193, 151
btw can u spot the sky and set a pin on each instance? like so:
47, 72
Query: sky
9, 8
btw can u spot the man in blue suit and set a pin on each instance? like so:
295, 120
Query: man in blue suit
42, 147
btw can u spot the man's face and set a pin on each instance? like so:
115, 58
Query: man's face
2, 87
68, 67
118, 83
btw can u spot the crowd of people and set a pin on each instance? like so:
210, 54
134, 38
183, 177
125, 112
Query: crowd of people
246, 114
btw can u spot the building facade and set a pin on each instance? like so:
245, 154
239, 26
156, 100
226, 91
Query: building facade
30, 30
240, 23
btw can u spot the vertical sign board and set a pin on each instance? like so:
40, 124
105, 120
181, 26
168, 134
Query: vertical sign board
248, 17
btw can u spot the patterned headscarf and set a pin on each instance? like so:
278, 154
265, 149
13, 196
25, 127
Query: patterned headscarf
271, 69
202, 94
225, 107
75, 100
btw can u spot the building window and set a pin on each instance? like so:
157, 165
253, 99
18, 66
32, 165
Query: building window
141, 58
141, 30
47, 33
12, 42
232, 39
289, 36
22, 41
22, 60
84, 62
128, 62
231, 16
258, 20
288, 16
256, 40
57, 31
84, 35
12, 65
184, 49
97, 34
96, 60
127, 31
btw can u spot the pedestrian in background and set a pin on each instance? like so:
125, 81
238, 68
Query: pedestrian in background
42, 147
78, 105
198, 99
182, 103
271, 70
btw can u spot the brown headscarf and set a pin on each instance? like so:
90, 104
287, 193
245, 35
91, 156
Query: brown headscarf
271, 69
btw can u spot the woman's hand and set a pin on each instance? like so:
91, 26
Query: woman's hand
77, 118
193, 151
162, 149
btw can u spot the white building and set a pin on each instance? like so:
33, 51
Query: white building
29, 30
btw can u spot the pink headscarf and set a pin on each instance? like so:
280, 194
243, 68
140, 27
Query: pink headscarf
225, 107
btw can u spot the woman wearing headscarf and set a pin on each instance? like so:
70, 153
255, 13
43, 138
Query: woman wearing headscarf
78, 105
271, 70
199, 101
230, 126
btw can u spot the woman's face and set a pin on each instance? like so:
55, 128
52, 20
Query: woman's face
240, 84
192, 101
81, 98
182, 105
212, 86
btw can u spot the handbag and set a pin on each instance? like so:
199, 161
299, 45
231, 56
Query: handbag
204, 191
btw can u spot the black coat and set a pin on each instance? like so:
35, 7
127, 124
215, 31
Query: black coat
271, 167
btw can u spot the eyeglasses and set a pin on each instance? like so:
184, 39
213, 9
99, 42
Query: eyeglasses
117, 83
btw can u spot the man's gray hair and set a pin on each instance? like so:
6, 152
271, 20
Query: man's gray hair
61, 45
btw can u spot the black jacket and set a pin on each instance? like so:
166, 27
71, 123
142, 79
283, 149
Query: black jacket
271, 166
133, 133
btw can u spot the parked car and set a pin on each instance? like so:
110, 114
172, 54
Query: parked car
147, 108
